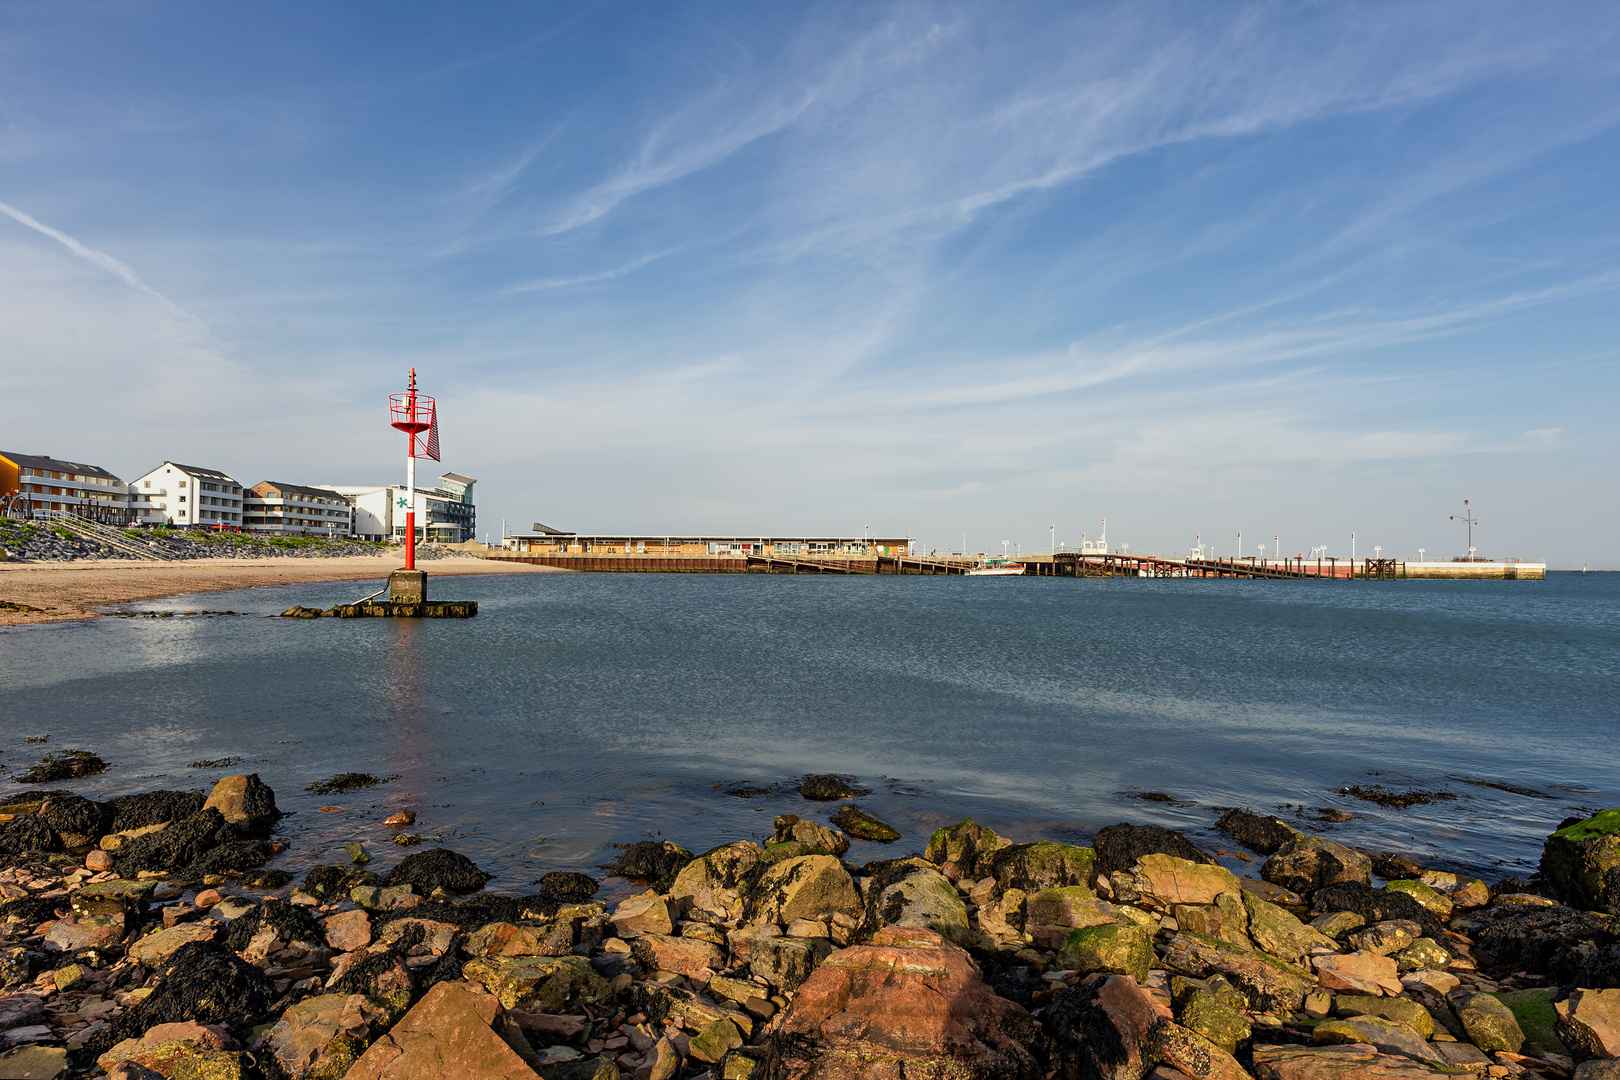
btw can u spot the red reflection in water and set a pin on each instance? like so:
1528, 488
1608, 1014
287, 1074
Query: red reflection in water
410, 743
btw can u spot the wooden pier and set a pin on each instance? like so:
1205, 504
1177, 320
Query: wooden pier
1067, 564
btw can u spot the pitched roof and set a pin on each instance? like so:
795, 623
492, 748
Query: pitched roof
300, 489
37, 461
194, 470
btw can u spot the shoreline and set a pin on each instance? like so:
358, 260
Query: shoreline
1316, 961
69, 591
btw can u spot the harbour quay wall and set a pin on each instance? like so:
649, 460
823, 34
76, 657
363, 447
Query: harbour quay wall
1504, 570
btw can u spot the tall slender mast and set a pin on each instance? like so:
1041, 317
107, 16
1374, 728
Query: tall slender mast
412, 413
410, 483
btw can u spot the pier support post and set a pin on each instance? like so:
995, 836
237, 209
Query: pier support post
407, 587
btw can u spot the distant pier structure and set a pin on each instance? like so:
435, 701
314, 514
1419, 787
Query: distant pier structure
625, 553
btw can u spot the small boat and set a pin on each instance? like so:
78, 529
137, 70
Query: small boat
997, 568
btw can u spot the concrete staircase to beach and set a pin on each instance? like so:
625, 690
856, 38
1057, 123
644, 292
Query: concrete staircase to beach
115, 539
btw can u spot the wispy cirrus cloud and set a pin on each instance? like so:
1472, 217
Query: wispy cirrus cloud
121, 271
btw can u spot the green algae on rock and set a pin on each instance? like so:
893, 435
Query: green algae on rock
1582, 860
863, 826
1119, 950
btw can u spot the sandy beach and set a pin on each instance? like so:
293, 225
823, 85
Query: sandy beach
72, 590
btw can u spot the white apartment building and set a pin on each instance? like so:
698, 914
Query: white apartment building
293, 510
47, 486
444, 514
187, 495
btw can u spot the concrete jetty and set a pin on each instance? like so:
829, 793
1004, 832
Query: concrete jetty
1060, 564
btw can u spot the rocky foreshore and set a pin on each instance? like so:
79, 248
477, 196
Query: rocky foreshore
151, 936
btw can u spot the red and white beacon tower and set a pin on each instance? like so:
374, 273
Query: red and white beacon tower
413, 413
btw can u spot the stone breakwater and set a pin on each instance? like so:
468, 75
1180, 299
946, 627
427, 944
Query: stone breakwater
151, 936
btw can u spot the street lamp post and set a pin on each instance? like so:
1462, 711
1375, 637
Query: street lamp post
1470, 521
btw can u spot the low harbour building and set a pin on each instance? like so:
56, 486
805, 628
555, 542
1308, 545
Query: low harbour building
278, 509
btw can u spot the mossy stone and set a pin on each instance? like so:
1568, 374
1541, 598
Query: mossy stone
1336, 924
1435, 901
1215, 1020
1490, 1024
1043, 865
1121, 950
1534, 1011
1401, 1010
1423, 954
858, 823
1582, 860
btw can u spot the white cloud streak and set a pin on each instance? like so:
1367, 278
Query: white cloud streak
122, 271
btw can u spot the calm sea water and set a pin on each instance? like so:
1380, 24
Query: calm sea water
578, 711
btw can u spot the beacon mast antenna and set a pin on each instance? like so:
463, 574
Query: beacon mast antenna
414, 413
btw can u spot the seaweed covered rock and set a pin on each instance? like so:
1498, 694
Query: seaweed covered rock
909, 1004
1265, 835
1042, 865
334, 882
567, 886
246, 802
63, 765
1119, 846
1376, 905
828, 787
1582, 862
273, 921
863, 826
1567, 946
175, 846
1276, 931
77, 820
201, 981
1101, 1028
1049, 915
25, 834
649, 862
964, 849
153, 808
439, 868
233, 855
1491, 1025
1311, 863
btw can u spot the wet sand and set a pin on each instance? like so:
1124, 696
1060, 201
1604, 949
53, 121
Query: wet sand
73, 590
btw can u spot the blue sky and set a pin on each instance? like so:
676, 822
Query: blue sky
1294, 269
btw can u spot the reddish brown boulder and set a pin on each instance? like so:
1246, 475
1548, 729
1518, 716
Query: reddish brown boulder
453, 1033
909, 1006
684, 956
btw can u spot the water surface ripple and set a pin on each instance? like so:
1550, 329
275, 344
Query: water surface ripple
577, 711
